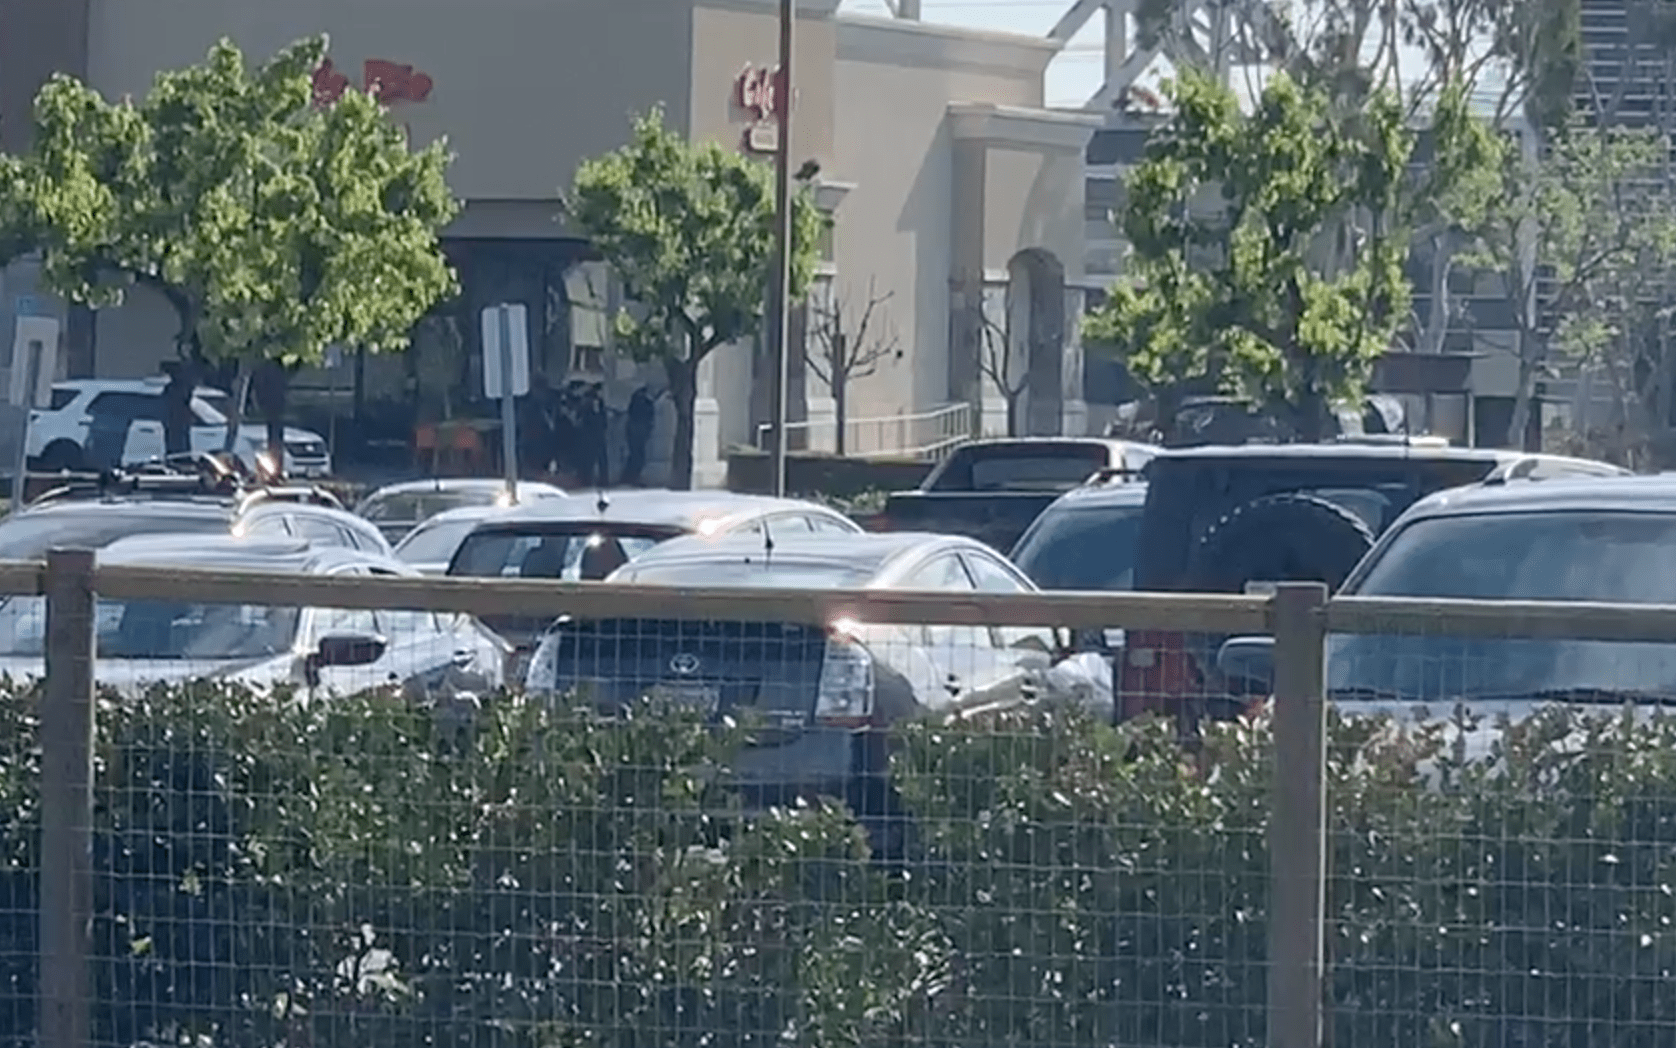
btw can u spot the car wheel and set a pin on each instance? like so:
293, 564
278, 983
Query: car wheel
1279, 538
60, 456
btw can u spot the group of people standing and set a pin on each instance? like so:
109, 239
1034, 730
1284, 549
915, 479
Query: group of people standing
566, 432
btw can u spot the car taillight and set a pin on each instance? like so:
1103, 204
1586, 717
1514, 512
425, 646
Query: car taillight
845, 694
1156, 672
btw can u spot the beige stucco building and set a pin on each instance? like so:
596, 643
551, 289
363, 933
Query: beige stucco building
957, 198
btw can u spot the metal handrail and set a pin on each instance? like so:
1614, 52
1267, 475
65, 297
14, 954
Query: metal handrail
895, 436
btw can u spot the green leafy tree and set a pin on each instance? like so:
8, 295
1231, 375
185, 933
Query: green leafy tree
273, 226
1568, 232
1267, 250
689, 231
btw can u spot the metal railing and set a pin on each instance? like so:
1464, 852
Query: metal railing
1297, 817
923, 435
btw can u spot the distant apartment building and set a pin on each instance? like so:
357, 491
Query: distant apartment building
956, 195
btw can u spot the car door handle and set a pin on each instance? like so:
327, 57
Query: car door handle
464, 658
952, 684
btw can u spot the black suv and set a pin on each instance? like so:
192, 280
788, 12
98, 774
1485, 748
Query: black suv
1220, 518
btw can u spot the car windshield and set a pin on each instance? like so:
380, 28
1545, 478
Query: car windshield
434, 543
28, 536
1056, 471
159, 630
787, 575
423, 505
1090, 548
574, 553
1543, 556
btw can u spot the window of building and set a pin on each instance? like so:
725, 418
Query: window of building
587, 285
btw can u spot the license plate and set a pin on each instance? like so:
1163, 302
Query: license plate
700, 697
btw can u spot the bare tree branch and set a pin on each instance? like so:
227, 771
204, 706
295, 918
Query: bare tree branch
846, 348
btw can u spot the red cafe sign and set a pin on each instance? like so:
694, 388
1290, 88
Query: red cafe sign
758, 92
389, 82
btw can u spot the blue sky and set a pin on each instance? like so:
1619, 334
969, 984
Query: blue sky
1074, 75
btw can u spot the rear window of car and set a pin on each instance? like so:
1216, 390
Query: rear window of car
571, 553
29, 536
1590, 555
789, 575
425, 505
1049, 467
434, 543
1089, 548
1555, 555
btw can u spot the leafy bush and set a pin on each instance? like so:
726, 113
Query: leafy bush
367, 873
1102, 887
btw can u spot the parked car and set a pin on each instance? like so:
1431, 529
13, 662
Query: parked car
825, 696
58, 434
399, 508
1595, 541
1218, 519
430, 547
324, 651
992, 490
1086, 540
95, 523
588, 537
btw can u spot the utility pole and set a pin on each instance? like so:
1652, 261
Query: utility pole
779, 305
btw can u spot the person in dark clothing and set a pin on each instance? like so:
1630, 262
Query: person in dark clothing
177, 409
596, 468
565, 430
535, 428
107, 439
637, 433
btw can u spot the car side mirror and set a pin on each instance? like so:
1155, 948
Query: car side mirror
348, 649
1248, 663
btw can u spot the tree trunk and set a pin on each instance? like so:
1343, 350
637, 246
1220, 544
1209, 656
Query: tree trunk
1519, 425
683, 393
235, 418
840, 410
1437, 314
1012, 411
1309, 418
272, 383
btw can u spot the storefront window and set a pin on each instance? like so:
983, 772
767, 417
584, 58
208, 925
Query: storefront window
587, 286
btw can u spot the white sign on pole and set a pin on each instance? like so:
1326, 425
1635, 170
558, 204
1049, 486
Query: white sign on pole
499, 357
33, 331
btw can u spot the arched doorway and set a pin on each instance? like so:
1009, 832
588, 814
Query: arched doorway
1034, 367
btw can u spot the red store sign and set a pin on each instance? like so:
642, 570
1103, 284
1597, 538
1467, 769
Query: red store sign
758, 92
389, 82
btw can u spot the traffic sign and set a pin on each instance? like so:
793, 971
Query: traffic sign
506, 349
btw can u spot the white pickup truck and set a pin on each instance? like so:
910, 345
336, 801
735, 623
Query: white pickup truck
58, 433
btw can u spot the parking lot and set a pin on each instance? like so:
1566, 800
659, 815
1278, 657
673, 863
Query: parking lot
699, 768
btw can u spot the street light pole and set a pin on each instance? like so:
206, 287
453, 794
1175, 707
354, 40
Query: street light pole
779, 305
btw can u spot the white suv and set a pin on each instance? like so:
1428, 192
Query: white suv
58, 434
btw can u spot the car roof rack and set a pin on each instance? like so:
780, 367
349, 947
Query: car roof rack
1114, 474
194, 475
1393, 440
1523, 467
304, 494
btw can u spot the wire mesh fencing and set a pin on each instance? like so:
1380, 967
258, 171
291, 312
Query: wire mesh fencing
296, 811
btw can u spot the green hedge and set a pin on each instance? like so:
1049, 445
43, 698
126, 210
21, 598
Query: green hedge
367, 874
